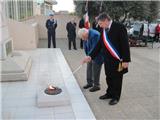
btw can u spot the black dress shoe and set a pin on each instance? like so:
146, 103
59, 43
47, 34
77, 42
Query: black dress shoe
106, 96
113, 102
94, 88
87, 86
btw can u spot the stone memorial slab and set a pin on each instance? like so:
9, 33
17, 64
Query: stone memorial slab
49, 69
16, 67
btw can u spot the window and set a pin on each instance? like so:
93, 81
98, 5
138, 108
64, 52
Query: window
20, 9
29, 8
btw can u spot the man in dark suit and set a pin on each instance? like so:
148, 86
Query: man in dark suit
71, 29
117, 35
51, 26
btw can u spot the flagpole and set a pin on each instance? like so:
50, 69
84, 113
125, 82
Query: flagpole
101, 7
86, 7
86, 17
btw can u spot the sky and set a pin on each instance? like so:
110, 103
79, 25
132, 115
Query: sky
64, 5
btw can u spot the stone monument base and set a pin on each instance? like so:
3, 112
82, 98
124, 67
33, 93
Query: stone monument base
16, 67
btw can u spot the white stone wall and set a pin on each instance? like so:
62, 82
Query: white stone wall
4, 35
25, 36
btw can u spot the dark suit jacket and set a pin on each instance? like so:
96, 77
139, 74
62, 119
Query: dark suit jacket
119, 38
51, 25
71, 29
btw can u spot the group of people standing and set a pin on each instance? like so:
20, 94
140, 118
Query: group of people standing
51, 25
105, 43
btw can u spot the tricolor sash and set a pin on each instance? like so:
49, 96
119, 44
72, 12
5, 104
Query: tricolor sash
112, 50
110, 47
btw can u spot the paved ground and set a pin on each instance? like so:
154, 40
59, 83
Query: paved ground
140, 93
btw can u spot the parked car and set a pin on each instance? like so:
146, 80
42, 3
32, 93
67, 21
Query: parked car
135, 30
151, 27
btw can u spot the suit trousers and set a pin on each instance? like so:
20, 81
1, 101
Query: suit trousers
51, 37
71, 40
113, 80
81, 43
93, 73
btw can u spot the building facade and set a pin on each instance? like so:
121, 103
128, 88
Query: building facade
47, 7
24, 9
19, 9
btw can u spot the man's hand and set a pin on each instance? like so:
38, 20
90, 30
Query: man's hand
86, 59
125, 64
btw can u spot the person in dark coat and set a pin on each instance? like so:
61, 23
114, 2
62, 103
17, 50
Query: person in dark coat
71, 29
51, 25
141, 31
157, 32
114, 69
81, 25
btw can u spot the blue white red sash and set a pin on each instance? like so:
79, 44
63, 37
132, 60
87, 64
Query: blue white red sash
109, 46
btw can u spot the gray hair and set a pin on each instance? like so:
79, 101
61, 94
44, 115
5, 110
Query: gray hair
82, 31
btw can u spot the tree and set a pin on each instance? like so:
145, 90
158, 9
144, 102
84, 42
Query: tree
121, 10
153, 11
93, 8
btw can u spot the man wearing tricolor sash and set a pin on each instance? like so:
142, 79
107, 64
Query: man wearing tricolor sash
115, 47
